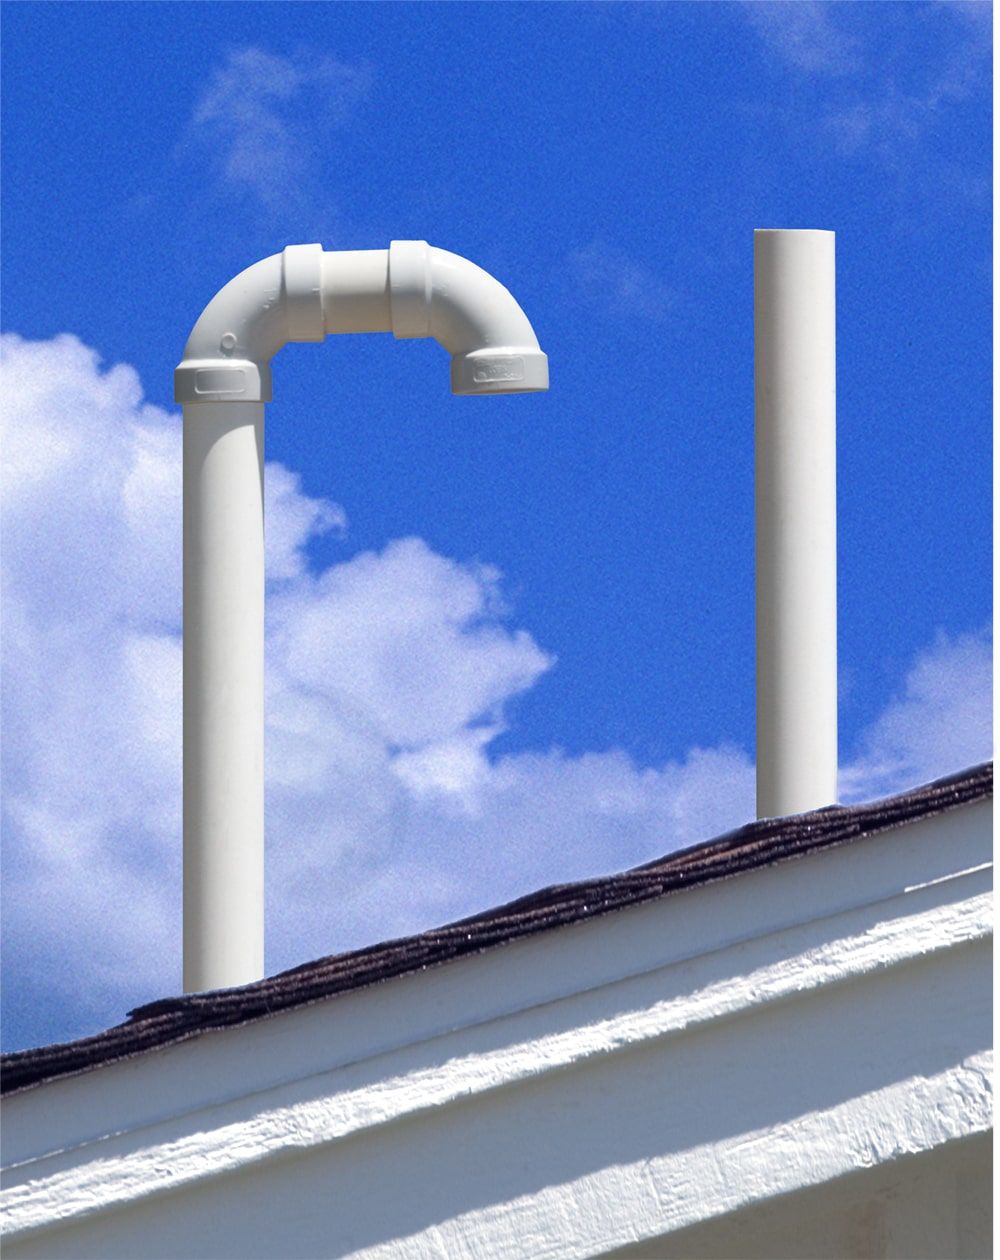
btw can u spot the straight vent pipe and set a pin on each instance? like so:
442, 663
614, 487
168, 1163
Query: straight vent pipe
223, 381
796, 552
223, 694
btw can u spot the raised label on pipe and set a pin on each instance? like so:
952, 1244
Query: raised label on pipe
499, 370
220, 381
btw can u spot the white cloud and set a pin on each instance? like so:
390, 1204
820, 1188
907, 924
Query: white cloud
940, 722
608, 278
262, 117
388, 677
881, 99
804, 34
891, 120
409, 639
292, 518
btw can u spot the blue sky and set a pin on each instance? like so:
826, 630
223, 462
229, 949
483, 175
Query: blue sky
510, 639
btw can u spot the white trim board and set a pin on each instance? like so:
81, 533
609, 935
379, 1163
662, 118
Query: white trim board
887, 937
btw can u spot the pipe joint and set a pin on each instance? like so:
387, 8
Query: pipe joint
493, 347
412, 290
228, 355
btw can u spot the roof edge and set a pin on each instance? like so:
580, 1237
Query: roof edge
756, 845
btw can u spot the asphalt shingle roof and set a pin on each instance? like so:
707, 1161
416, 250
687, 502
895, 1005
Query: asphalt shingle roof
173, 1019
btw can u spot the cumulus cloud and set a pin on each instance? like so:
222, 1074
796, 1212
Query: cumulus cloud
940, 721
388, 677
262, 116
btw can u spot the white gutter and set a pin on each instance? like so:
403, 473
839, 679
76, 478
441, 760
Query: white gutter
223, 381
795, 394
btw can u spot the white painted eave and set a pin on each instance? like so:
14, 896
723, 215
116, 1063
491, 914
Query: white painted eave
901, 919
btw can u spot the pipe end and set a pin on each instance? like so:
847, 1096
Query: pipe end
501, 370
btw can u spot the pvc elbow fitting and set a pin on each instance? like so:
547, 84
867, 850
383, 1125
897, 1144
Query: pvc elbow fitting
438, 294
411, 290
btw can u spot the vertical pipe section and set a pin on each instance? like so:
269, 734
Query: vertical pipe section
223, 694
795, 398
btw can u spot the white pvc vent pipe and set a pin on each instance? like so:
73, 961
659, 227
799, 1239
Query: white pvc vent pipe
223, 381
795, 398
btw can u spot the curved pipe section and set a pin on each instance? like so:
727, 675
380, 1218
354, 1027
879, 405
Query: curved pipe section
411, 289
437, 294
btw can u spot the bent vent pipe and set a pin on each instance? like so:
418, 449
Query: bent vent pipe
223, 381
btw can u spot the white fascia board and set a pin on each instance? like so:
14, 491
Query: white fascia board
340, 1070
636, 1202
614, 1148
533, 971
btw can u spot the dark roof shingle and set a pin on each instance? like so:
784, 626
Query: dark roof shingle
169, 1020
